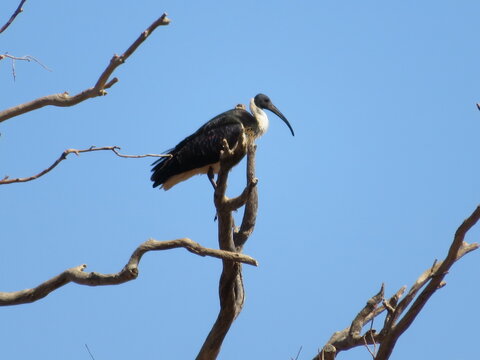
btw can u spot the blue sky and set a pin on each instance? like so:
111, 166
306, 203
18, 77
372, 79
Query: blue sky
382, 170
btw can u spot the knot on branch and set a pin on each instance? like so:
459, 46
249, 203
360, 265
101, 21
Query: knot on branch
117, 60
131, 271
328, 353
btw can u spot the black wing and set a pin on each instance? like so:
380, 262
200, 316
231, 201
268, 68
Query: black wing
201, 148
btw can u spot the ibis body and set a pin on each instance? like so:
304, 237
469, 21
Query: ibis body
200, 152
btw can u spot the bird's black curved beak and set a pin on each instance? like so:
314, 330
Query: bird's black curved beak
277, 112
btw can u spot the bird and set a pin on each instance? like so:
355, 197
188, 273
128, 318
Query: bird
199, 153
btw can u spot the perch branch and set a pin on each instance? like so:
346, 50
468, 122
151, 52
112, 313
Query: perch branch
128, 273
7, 180
229, 157
103, 82
396, 321
247, 226
12, 18
231, 291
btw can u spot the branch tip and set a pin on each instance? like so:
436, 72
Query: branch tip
102, 83
63, 156
12, 18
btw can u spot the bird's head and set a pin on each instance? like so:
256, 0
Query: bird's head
263, 102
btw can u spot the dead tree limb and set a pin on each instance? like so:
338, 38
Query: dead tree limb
128, 273
7, 180
231, 291
12, 18
104, 82
397, 321
26, 58
434, 282
241, 235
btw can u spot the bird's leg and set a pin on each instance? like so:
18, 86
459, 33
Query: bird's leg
211, 177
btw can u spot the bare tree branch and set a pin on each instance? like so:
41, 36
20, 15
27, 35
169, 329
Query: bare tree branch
101, 85
128, 273
298, 353
7, 180
438, 272
247, 226
27, 58
397, 322
231, 291
12, 18
363, 316
89, 352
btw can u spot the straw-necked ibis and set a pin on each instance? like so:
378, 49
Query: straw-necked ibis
199, 153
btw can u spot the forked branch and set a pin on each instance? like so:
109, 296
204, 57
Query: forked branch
63, 156
399, 319
26, 58
128, 273
104, 82
231, 291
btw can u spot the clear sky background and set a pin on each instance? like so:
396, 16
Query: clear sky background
382, 170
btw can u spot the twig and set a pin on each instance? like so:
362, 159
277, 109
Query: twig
89, 352
299, 350
12, 18
27, 58
101, 85
7, 180
128, 273
368, 348
371, 333
116, 148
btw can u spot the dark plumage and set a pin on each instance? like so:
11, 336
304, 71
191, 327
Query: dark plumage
201, 150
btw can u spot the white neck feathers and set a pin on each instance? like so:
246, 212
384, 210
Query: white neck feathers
260, 116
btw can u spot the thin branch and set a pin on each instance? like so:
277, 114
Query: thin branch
372, 353
239, 201
242, 234
116, 148
103, 82
299, 350
129, 272
7, 180
12, 18
88, 349
27, 58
